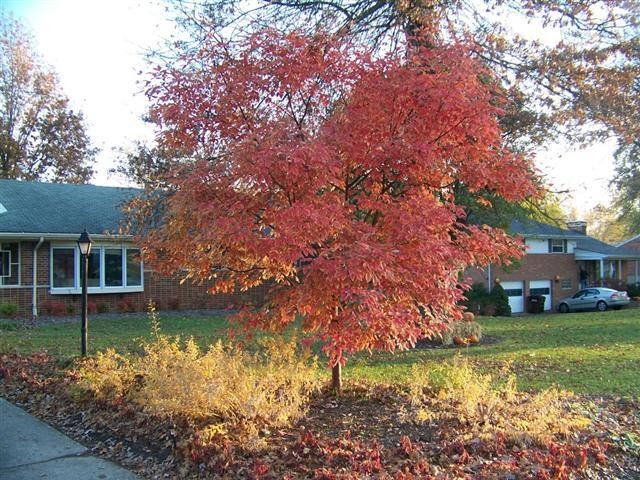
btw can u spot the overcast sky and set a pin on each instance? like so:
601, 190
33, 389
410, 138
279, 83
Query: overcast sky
97, 48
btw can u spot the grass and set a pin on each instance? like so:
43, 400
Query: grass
123, 334
588, 352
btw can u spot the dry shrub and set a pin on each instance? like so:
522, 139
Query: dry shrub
488, 407
107, 376
223, 391
461, 329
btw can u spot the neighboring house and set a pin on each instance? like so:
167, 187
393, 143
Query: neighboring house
40, 262
553, 262
632, 272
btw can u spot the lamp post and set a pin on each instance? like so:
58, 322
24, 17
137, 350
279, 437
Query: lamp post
84, 244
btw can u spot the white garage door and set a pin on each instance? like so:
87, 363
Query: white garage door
515, 292
541, 287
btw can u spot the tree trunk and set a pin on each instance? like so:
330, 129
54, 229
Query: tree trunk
336, 377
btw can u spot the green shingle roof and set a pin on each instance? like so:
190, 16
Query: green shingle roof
33, 207
533, 228
593, 245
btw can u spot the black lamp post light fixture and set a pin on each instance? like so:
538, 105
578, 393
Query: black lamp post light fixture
84, 244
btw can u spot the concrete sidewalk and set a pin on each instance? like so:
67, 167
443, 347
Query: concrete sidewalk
30, 449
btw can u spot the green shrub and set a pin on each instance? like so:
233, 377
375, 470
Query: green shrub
476, 298
8, 310
481, 302
500, 300
633, 290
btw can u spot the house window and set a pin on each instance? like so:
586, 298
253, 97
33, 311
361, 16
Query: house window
557, 246
93, 279
513, 292
113, 267
64, 268
9, 264
565, 284
110, 269
5, 263
134, 268
539, 291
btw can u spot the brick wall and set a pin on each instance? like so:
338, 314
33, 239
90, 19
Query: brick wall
629, 271
535, 266
167, 293
635, 245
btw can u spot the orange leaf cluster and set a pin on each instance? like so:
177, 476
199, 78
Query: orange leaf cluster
333, 176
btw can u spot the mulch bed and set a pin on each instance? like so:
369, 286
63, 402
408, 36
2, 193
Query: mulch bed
435, 344
356, 435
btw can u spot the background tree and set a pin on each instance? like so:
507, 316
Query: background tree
41, 137
147, 165
627, 187
604, 223
578, 69
333, 176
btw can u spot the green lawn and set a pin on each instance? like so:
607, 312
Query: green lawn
587, 352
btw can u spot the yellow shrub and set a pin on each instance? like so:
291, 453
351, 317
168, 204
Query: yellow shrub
107, 376
225, 388
457, 391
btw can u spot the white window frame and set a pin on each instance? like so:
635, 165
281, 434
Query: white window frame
562, 246
77, 288
11, 264
8, 253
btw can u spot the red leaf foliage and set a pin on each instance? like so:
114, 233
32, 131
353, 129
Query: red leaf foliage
334, 176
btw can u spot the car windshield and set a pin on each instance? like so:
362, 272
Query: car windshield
579, 294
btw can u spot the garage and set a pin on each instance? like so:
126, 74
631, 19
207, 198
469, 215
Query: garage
542, 287
515, 292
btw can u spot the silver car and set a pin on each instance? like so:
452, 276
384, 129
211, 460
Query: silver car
598, 298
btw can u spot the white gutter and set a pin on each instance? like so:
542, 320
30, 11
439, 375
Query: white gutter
62, 236
34, 299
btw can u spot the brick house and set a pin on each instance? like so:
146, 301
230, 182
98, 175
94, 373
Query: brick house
632, 270
40, 262
554, 261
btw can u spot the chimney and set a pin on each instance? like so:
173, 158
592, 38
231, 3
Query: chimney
578, 226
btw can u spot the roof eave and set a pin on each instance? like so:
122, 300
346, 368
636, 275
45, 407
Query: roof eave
584, 254
60, 236
629, 240
552, 236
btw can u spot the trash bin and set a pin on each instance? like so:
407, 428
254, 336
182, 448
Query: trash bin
535, 303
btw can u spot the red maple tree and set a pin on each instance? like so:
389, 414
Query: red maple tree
333, 176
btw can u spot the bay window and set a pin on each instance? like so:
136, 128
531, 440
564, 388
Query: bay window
113, 267
134, 267
64, 268
110, 269
93, 276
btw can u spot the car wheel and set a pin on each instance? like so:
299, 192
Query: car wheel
564, 308
602, 306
